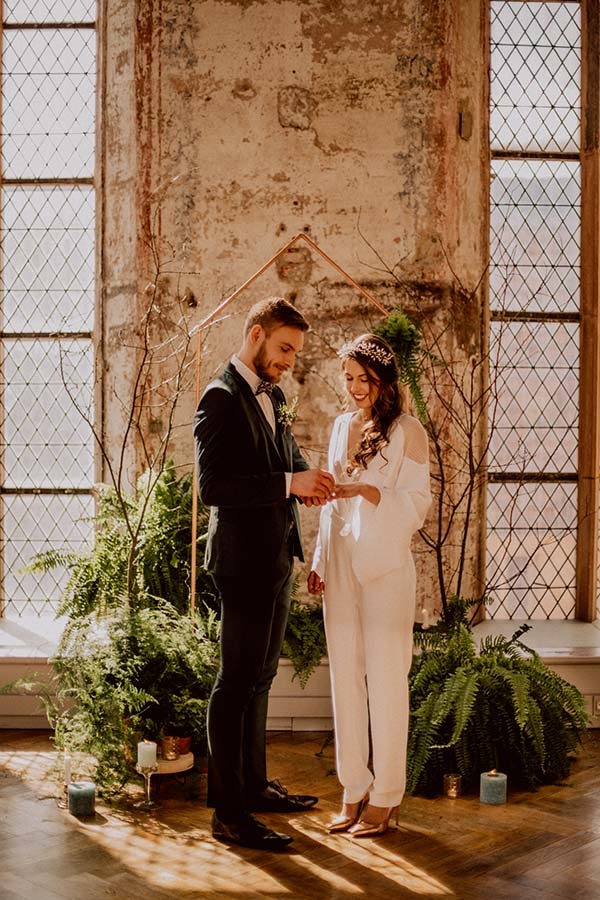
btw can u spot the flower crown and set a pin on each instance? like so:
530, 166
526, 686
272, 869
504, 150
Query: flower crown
367, 349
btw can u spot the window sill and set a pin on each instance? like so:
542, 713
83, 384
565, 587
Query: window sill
575, 642
30, 638
571, 649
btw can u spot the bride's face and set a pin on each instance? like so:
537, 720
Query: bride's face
360, 386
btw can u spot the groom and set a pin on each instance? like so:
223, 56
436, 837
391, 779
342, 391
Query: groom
250, 473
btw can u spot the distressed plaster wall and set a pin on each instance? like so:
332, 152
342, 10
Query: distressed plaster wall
229, 127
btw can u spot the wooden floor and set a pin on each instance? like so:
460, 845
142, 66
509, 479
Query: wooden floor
539, 846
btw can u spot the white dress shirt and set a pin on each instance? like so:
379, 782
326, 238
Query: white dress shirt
264, 401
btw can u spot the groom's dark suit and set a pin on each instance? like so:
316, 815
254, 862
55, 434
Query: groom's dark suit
253, 536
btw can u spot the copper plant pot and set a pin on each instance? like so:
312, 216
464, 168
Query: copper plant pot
184, 745
169, 747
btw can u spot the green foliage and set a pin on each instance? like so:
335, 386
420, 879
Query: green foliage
405, 338
132, 661
128, 675
501, 708
304, 642
148, 533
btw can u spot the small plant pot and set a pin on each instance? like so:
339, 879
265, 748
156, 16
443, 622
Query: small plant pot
169, 747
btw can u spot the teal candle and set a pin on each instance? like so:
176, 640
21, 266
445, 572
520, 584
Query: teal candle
492, 788
82, 798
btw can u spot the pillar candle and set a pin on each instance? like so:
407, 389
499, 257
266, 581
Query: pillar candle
492, 788
146, 754
82, 798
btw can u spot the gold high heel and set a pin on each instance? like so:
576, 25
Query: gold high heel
371, 829
343, 823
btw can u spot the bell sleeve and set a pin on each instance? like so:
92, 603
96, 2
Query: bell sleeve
383, 532
321, 552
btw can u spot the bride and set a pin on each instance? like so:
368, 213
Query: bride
363, 565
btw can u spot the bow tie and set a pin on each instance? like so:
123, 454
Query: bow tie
264, 386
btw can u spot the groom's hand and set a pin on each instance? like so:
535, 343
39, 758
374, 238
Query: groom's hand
314, 483
313, 501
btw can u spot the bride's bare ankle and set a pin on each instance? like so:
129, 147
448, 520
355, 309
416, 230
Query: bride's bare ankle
375, 815
350, 809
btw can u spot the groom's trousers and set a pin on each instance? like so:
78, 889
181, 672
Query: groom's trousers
254, 614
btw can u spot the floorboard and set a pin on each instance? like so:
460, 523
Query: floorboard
539, 846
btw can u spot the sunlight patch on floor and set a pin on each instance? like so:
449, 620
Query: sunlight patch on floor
375, 856
169, 849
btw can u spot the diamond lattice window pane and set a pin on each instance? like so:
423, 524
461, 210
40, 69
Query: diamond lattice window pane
49, 11
535, 82
531, 543
535, 236
47, 413
48, 96
35, 524
535, 377
48, 259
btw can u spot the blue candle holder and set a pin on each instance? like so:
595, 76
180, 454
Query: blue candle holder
492, 788
82, 798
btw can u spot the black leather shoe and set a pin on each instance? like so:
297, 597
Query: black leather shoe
276, 798
249, 832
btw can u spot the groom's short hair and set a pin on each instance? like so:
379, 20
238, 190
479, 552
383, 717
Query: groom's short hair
272, 313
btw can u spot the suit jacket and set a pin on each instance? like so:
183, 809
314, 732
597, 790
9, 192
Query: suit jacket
241, 476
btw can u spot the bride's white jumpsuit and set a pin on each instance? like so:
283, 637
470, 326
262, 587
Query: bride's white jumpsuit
363, 555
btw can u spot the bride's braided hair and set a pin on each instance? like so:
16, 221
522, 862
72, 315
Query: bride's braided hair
379, 361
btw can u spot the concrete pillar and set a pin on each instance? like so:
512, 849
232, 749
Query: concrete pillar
228, 127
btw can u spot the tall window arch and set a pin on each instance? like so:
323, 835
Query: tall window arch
543, 466
47, 205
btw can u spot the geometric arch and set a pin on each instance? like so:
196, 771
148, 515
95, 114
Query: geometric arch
301, 236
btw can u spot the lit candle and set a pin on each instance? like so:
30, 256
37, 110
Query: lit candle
82, 798
146, 754
452, 786
492, 787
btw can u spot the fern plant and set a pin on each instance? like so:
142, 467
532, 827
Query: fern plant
132, 661
499, 708
151, 531
304, 642
127, 675
405, 338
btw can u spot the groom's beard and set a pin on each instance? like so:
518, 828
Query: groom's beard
262, 366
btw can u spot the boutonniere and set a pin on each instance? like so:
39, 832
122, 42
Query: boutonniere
286, 414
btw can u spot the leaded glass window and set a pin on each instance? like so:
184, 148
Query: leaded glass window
47, 206
535, 248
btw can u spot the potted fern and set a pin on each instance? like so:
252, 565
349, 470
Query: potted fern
129, 675
499, 707
133, 661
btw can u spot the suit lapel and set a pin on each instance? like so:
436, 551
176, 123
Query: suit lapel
256, 414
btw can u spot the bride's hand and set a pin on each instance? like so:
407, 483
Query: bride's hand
345, 490
315, 585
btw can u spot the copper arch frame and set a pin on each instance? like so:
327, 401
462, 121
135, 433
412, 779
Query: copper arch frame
208, 321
